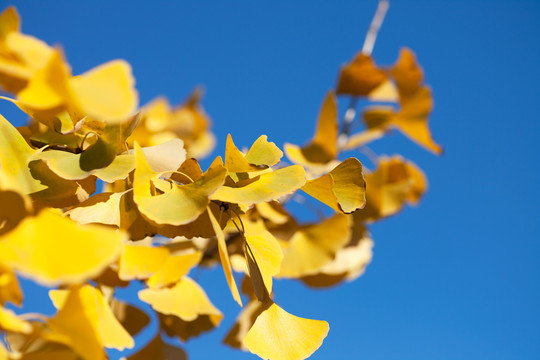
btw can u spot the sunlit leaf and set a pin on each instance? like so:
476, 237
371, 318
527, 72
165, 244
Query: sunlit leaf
15, 154
95, 307
140, 262
276, 334
186, 299
9, 286
52, 249
314, 246
107, 92
182, 204
263, 152
10, 322
407, 73
174, 268
266, 187
343, 189
394, 183
103, 208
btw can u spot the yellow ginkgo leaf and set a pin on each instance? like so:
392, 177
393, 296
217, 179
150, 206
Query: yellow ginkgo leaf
174, 268
278, 335
313, 246
394, 183
343, 188
167, 156
360, 77
224, 258
21, 55
407, 73
323, 147
3, 353
244, 322
52, 249
68, 166
95, 307
273, 212
10, 322
263, 153
263, 256
266, 187
132, 318
103, 208
15, 154
412, 120
9, 286
350, 261
140, 262
182, 204
186, 299
235, 160
106, 92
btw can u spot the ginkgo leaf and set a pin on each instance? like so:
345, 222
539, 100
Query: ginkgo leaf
266, 187
263, 153
168, 156
15, 154
103, 208
413, 117
186, 299
244, 321
323, 147
360, 77
313, 246
343, 188
106, 92
9, 286
21, 54
68, 166
10, 322
273, 212
224, 258
278, 335
407, 73
174, 326
140, 262
350, 261
394, 183
173, 269
182, 204
95, 307
52, 249
263, 256
73, 327
235, 160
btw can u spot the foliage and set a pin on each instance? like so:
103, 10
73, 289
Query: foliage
160, 215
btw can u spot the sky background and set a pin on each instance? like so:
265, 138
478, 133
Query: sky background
457, 277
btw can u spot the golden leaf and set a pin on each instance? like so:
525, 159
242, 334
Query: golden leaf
313, 246
91, 302
11, 322
140, 262
343, 188
266, 187
360, 77
106, 92
186, 299
278, 335
52, 249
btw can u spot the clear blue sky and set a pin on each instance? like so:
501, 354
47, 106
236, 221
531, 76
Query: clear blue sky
457, 277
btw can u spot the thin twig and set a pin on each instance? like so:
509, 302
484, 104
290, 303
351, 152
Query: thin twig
374, 27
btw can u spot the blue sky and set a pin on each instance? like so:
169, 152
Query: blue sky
456, 278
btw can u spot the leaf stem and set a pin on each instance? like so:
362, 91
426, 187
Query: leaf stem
374, 27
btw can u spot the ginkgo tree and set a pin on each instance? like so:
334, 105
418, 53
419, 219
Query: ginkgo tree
160, 215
